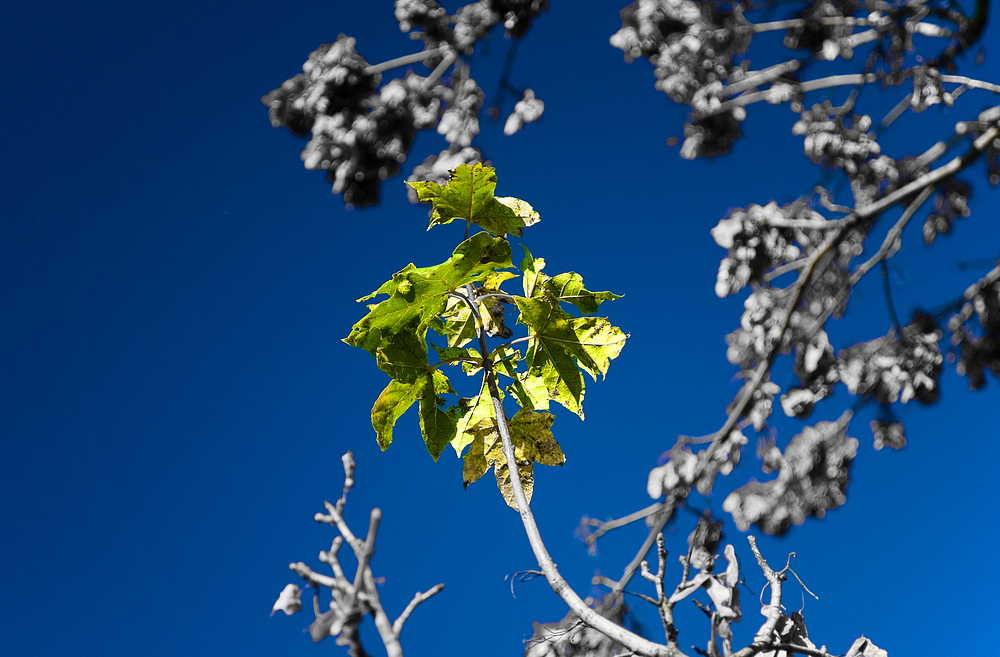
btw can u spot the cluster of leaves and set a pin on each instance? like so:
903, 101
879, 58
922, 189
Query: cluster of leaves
700, 51
978, 347
700, 54
360, 135
812, 477
361, 129
451, 309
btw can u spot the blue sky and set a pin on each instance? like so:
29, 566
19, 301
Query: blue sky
175, 396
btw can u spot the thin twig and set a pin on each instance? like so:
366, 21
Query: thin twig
317, 580
334, 518
891, 240
397, 627
366, 553
331, 557
773, 612
803, 87
405, 60
777, 648
971, 83
436, 74
604, 527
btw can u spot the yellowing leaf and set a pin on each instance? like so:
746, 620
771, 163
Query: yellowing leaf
531, 435
475, 418
522, 209
568, 287
531, 271
394, 400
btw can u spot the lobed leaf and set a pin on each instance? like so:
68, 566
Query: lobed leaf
469, 196
561, 345
436, 426
417, 296
531, 435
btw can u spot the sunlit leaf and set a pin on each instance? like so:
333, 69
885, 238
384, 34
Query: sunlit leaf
394, 400
436, 426
531, 435
568, 287
469, 196
474, 419
562, 345
417, 296
531, 271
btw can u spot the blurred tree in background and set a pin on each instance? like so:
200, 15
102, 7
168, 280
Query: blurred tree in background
849, 70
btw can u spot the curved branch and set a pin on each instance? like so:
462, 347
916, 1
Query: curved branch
630, 640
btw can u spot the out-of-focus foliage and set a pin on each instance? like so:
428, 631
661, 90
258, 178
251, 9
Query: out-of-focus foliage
797, 264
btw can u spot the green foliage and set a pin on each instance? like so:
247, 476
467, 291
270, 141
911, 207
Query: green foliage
461, 301
469, 196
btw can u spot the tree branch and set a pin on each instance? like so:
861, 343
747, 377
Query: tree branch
397, 626
414, 58
630, 640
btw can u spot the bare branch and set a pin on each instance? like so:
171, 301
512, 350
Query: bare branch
561, 587
317, 579
334, 518
891, 242
397, 626
405, 60
604, 527
772, 611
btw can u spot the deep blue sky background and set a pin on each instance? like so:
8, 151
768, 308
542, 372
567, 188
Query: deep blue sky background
175, 396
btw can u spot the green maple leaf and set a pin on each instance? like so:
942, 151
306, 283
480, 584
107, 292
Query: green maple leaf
562, 345
436, 426
469, 196
531, 270
418, 295
531, 435
566, 287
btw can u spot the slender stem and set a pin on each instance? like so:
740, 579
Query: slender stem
773, 610
317, 579
435, 75
761, 77
887, 289
892, 238
605, 527
971, 83
365, 555
397, 627
406, 60
920, 28
334, 518
630, 640
808, 85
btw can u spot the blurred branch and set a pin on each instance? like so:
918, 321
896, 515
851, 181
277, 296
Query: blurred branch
603, 527
351, 600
